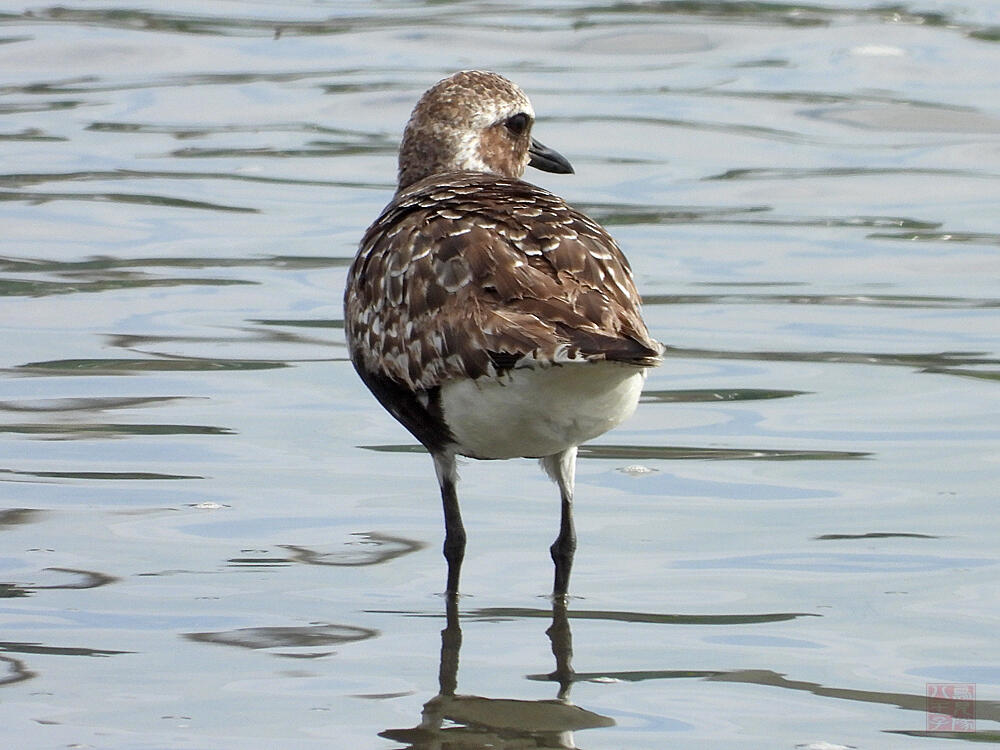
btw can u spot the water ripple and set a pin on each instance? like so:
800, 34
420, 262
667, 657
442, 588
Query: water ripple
837, 300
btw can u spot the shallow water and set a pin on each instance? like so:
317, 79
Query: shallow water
211, 536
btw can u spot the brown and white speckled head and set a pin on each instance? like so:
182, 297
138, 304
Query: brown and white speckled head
474, 121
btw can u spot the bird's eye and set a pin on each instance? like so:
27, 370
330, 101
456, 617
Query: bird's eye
518, 124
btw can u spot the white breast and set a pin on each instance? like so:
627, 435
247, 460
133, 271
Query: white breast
535, 412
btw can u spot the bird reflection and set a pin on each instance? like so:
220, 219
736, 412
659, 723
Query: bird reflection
471, 721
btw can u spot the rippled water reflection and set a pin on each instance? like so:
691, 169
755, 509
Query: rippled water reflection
213, 537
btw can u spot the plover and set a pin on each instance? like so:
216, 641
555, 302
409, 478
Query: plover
485, 314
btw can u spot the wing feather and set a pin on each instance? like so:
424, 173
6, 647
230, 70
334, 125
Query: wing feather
469, 275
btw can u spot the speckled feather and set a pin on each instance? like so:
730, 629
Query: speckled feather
468, 275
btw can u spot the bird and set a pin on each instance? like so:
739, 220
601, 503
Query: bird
485, 314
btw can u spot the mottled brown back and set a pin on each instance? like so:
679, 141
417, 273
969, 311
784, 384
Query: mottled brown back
466, 275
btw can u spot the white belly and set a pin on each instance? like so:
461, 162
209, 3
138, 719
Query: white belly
539, 412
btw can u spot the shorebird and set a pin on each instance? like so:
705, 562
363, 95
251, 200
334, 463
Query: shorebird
485, 314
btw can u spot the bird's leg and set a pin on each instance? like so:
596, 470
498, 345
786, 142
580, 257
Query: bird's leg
562, 468
454, 531
564, 547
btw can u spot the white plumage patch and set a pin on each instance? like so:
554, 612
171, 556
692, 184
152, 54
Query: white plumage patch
539, 412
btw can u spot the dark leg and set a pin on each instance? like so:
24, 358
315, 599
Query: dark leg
454, 531
564, 548
562, 468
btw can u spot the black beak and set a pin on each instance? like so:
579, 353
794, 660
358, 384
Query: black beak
547, 160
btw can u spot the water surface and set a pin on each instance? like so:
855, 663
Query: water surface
211, 536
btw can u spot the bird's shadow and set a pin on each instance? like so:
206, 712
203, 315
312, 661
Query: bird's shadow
450, 719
